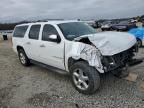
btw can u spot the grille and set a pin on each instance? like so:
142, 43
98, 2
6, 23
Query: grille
118, 60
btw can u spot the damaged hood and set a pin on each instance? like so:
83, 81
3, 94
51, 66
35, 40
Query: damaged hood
110, 43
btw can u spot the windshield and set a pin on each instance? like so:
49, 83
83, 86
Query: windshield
75, 29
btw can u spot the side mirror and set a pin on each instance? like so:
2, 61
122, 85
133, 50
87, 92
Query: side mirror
54, 38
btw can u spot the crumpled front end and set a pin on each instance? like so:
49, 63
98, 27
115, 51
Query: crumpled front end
111, 43
102, 63
120, 60
106, 51
89, 53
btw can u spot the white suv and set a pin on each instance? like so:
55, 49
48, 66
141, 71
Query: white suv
76, 48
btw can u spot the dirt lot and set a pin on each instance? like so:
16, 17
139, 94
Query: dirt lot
37, 87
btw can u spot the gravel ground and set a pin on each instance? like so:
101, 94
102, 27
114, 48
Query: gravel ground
37, 87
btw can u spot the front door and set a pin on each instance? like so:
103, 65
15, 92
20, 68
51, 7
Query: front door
51, 52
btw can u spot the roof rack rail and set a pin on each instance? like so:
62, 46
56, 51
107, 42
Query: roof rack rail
46, 20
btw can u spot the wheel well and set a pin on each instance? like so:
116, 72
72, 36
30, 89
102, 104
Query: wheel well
138, 38
19, 47
72, 61
140, 44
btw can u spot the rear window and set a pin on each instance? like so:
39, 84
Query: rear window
20, 31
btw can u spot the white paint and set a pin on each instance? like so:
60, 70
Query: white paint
56, 54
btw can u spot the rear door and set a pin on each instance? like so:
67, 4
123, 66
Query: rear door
51, 53
32, 42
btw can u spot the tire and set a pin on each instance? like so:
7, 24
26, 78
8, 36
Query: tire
23, 57
139, 42
89, 75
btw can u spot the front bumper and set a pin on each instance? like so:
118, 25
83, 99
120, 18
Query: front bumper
121, 60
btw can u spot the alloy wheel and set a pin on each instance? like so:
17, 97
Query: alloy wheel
81, 80
22, 58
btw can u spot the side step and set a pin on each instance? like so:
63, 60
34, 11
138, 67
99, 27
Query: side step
51, 68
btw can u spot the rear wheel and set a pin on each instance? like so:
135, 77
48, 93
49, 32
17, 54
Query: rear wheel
23, 57
139, 42
84, 78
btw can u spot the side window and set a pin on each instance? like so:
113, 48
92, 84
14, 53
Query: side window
47, 31
34, 32
20, 31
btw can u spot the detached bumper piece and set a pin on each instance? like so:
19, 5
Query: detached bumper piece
136, 62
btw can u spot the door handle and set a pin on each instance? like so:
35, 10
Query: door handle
42, 45
28, 43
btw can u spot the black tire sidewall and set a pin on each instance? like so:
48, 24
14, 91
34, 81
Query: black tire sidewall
139, 41
26, 58
91, 72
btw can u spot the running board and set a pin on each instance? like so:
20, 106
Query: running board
51, 68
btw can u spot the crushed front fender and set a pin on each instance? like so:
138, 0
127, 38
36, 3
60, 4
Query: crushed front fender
89, 53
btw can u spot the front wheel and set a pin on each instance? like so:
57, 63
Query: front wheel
84, 78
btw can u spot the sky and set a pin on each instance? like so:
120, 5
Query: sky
18, 10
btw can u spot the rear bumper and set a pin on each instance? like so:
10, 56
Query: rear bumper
14, 49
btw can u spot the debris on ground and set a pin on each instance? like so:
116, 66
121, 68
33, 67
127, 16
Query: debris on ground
131, 77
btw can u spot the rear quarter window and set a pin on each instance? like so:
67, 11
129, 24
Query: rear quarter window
20, 31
